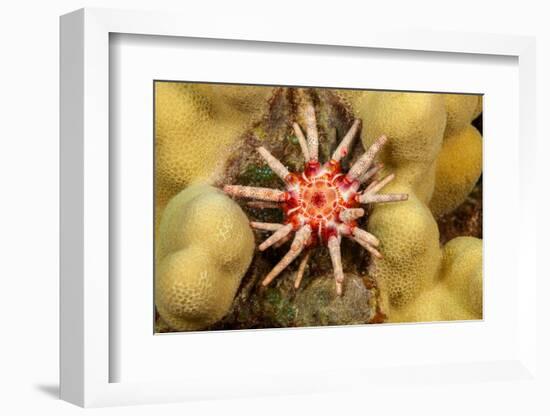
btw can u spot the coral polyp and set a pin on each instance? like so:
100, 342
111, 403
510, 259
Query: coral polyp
322, 203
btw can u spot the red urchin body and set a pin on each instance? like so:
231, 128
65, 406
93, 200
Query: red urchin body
322, 203
318, 197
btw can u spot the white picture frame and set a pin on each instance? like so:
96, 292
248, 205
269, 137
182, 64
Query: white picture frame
86, 354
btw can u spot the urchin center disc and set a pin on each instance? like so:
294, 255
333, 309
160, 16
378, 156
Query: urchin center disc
319, 199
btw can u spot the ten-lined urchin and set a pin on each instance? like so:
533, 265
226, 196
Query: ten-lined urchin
322, 203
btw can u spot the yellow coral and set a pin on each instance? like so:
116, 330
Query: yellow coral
461, 110
459, 162
462, 274
410, 245
205, 246
457, 295
436, 155
195, 127
458, 169
415, 124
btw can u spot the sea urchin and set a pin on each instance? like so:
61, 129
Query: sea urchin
322, 203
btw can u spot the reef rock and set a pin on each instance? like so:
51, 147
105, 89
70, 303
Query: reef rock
318, 303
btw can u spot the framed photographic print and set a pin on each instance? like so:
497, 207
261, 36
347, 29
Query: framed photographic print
282, 213
310, 199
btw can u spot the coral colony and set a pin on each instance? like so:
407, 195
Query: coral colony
322, 203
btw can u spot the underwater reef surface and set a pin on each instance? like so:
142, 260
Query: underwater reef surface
208, 273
